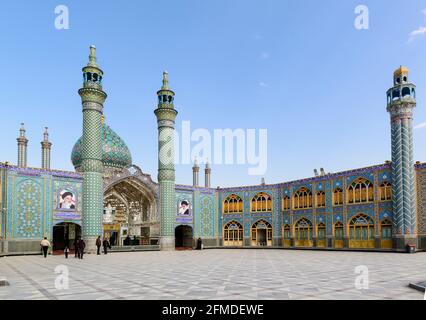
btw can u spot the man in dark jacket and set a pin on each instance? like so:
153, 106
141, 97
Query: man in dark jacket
98, 244
106, 245
81, 246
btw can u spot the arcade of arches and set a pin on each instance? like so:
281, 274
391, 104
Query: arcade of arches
360, 231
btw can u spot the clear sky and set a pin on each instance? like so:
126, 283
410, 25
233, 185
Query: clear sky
299, 69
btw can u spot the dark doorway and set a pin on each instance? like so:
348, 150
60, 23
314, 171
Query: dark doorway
261, 237
183, 237
64, 234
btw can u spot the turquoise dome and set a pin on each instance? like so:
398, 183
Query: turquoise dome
115, 152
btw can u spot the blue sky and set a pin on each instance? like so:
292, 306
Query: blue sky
299, 69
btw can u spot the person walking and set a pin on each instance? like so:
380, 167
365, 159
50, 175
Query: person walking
66, 251
98, 244
106, 245
81, 246
45, 244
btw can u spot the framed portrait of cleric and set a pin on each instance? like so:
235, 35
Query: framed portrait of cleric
67, 200
184, 208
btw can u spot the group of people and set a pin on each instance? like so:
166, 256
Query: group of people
79, 246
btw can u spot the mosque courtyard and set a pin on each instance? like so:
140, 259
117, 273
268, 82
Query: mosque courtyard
220, 274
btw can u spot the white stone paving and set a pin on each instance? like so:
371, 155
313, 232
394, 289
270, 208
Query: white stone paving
216, 274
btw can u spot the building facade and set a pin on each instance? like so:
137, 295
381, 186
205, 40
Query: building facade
382, 207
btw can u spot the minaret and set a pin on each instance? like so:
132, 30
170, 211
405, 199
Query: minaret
401, 100
207, 172
45, 150
22, 147
195, 172
93, 98
166, 115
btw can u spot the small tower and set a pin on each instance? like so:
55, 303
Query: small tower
401, 100
166, 115
22, 147
195, 173
45, 150
92, 98
207, 174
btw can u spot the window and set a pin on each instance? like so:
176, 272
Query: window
338, 231
233, 204
385, 191
261, 202
338, 197
361, 190
233, 234
287, 232
286, 203
320, 199
386, 229
361, 227
303, 229
321, 231
302, 198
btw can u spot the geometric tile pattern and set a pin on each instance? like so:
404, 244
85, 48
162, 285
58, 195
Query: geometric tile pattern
28, 210
403, 176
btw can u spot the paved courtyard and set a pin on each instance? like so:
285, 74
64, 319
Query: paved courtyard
215, 274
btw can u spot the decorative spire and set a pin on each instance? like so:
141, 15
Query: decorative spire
165, 81
196, 162
22, 131
46, 135
92, 57
22, 147
207, 163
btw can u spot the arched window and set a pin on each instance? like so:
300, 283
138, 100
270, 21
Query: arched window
303, 233
286, 203
386, 234
386, 229
321, 231
287, 235
385, 191
233, 234
361, 190
361, 232
302, 198
261, 233
233, 204
338, 235
405, 91
261, 202
320, 199
338, 231
337, 197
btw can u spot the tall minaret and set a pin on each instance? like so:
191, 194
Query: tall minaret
93, 98
22, 147
166, 115
45, 150
195, 172
207, 173
401, 100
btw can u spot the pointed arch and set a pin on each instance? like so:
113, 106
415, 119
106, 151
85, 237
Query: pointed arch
261, 202
360, 190
233, 204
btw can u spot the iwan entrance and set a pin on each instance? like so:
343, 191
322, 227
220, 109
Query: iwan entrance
184, 237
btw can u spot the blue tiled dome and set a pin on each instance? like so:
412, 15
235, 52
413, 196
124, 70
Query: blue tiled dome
115, 152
